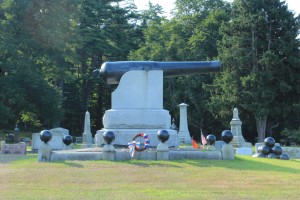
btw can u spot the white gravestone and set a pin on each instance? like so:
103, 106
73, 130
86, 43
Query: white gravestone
87, 138
137, 106
56, 142
244, 151
184, 133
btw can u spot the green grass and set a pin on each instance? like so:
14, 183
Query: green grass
244, 178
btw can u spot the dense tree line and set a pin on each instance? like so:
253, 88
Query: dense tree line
49, 49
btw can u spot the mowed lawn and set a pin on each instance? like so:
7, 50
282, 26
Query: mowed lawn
22, 177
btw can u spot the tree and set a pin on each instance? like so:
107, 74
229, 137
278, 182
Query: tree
28, 71
191, 35
260, 56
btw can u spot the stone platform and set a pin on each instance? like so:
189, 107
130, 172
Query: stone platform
123, 154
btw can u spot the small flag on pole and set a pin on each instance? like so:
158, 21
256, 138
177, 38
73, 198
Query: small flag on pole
194, 143
203, 140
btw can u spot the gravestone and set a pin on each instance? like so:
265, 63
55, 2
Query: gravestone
137, 102
56, 142
184, 134
87, 138
244, 151
236, 129
19, 148
293, 152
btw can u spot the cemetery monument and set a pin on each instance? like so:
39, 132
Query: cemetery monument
137, 102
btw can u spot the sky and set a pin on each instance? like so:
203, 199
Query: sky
293, 5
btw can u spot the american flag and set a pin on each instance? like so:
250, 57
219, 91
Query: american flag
203, 140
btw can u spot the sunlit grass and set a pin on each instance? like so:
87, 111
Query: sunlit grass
243, 178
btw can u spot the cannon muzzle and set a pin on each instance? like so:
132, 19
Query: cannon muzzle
115, 70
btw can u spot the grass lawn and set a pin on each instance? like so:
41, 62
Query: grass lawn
22, 177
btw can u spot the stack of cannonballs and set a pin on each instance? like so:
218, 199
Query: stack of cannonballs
270, 150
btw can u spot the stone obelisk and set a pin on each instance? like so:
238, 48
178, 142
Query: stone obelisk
87, 135
184, 134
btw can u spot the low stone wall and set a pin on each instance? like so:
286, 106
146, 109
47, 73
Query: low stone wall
123, 154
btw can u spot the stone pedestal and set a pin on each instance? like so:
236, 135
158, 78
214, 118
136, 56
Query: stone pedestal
228, 152
137, 107
184, 134
162, 151
109, 152
44, 152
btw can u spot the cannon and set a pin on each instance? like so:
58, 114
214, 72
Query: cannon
113, 71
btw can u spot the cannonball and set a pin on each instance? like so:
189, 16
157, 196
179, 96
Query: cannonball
265, 149
227, 136
163, 135
259, 149
211, 139
259, 155
270, 142
67, 139
108, 137
284, 156
277, 150
46, 136
272, 155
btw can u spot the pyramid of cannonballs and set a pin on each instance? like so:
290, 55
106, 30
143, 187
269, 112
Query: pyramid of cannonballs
270, 150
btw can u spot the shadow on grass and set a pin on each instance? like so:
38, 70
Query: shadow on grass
70, 164
151, 163
241, 163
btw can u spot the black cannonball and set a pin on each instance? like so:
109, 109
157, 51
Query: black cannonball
108, 137
277, 150
259, 155
163, 135
265, 150
272, 155
46, 136
259, 149
227, 136
67, 139
284, 156
211, 139
270, 142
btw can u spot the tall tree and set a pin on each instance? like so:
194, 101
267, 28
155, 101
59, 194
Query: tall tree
191, 35
29, 69
260, 56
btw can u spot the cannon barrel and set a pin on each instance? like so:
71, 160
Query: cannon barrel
114, 70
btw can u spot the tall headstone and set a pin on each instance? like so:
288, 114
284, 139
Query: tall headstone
184, 133
87, 138
236, 129
137, 102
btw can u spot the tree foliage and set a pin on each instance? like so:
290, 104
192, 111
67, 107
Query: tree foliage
260, 56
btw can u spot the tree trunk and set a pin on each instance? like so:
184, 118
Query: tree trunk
261, 124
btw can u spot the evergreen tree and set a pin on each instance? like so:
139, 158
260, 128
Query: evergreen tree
260, 56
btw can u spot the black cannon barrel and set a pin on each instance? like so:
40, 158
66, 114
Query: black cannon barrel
115, 70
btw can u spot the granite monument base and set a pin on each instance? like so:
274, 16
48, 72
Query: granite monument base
124, 136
